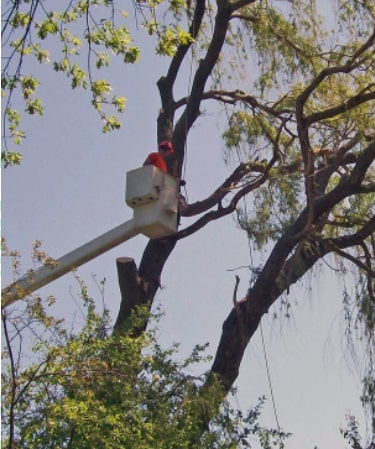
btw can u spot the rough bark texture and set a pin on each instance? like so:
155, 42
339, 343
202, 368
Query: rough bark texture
138, 287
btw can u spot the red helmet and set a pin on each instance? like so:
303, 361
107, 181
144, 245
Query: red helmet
166, 145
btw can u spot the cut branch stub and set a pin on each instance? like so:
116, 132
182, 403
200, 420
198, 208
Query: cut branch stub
133, 294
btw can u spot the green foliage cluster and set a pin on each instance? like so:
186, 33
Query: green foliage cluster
292, 45
31, 30
95, 388
60, 36
276, 204
91, 389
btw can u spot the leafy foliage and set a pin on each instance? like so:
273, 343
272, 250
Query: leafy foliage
94, 388
59, 36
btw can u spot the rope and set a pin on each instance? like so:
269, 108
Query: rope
270, 382
184, 169
261, 327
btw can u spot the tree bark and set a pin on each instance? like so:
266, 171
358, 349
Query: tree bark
138, 287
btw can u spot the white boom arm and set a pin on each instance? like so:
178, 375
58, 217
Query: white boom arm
153, 196
70, 261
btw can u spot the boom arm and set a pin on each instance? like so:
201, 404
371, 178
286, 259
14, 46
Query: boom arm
44, 275
152, 194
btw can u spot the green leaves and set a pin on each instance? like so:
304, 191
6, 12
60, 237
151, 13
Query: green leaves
170, 38
90, 388
9, 158
87, 27
34, 106
47, 27
19, 20
89, 35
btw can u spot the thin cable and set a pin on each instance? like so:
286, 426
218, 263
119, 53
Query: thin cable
238, 153
269, 381
184, 169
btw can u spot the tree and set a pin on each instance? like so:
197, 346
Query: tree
302, 134
94, 388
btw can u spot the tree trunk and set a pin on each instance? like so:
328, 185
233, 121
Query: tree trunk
138, 287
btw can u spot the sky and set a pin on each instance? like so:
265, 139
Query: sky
70, 189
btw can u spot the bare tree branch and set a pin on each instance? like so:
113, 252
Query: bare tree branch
182, 49
226, 187
222, 211
356, 261
355, 239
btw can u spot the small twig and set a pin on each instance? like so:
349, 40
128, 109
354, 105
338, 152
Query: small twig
235, 303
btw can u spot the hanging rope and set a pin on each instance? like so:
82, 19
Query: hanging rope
238, 152
270, 383
184, 169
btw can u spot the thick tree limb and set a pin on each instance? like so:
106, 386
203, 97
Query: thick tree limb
352, 103
132, 292
202, 74
239, 328
165, 84
138, 287
282, 270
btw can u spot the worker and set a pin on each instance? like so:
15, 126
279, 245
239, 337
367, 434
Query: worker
159, 159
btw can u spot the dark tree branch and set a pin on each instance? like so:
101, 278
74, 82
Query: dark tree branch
165, 85
226, 187
240, 4
352, 103
368, 44
239, 96
244, 319
219, 213
245, 17
346, 68
182, 49
355, 239
202, 74
340, 158
222, 211
356, 261
370, 274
